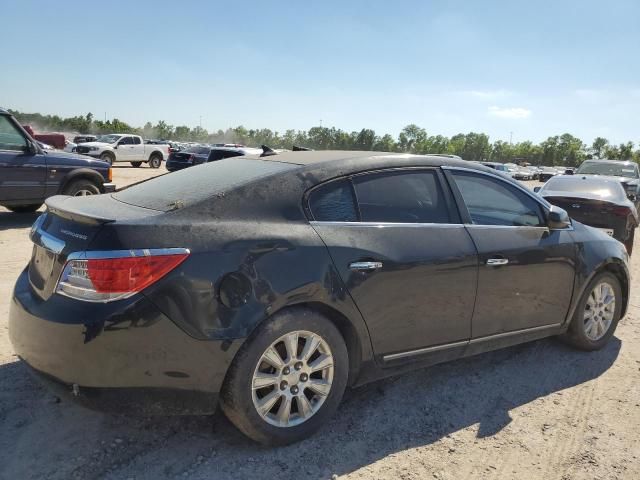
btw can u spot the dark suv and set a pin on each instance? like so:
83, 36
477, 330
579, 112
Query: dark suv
29, 174
198, 154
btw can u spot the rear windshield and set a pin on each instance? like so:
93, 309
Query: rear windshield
608, 168
600, 188
192, 185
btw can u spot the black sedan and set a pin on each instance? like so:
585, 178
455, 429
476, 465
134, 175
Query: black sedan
199, 154
600, 202
626, 172
546, 173
272, 284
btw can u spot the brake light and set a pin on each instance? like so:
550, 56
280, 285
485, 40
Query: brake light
109, 276
621, 211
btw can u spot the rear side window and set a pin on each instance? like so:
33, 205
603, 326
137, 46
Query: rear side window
333, 202
491, 201
126, 141
136, 140
401, 197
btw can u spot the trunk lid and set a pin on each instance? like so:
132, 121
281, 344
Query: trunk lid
69, 226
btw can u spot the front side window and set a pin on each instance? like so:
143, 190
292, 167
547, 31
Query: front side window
10, 137
491, 201
401, 197
333, 202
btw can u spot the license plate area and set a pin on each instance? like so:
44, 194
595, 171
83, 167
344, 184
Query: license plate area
41, 266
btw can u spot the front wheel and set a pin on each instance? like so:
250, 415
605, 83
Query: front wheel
288, 379
81, 188
597, 314
108, 157
155, 161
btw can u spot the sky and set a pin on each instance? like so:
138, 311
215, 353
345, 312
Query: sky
516, 69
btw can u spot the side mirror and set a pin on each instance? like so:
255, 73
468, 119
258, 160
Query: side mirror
115, 146
558, 218
568, 172
30, 148
632, 197
536, 189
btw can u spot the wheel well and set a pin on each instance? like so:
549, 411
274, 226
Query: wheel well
156, 154
81, 176
621, 275
111, 154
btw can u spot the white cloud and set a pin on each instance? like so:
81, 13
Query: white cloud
487, 94
512, 113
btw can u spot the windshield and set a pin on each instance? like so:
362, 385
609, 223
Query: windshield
608, 168
108, 138
594, 186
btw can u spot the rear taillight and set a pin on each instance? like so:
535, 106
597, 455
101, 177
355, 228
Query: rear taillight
109, 276
620, 211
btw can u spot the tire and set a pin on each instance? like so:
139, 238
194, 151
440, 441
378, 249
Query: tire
239, 400
577, 335
25, 208
81, 188
108, 157
136, 164
155, 161
628, 243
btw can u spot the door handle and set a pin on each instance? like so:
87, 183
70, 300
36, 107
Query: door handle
365, 266
496, 262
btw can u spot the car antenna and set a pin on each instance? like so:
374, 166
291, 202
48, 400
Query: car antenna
267, 151
296, 148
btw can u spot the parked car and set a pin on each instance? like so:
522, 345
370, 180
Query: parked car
600, 202
517, 172
125, 148
29, 173
84, 138
496, 166
546, 173
69, 146
625, 171
534, 172
272, 283
203, 154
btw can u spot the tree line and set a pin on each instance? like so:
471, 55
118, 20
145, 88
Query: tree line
562, 149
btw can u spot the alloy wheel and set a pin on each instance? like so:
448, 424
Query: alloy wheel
83, 193
599, 311
292, 379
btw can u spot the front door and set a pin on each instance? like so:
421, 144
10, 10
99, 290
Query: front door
408, 263
526, 271
126, 149
22, 174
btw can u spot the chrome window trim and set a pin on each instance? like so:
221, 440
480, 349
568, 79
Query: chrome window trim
385, 224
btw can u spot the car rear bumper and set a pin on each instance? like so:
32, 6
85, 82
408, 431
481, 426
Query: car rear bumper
115, 350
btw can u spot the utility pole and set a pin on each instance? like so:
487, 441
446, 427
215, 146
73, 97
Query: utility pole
320, 123
200, 122
105, 117
510, 137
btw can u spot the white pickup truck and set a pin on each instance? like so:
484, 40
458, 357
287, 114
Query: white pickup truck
118, 147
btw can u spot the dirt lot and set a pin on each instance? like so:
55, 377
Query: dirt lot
539, 410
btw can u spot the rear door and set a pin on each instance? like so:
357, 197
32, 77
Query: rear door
22, 174
126, 149
137, 149
407, 261
526, 271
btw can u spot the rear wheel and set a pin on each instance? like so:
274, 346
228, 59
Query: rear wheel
81, 188
288, 379
108, 157
136, 164
155, 161
25, 208
597, 314
628, 243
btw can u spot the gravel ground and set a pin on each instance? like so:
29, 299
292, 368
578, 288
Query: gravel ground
539, 410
